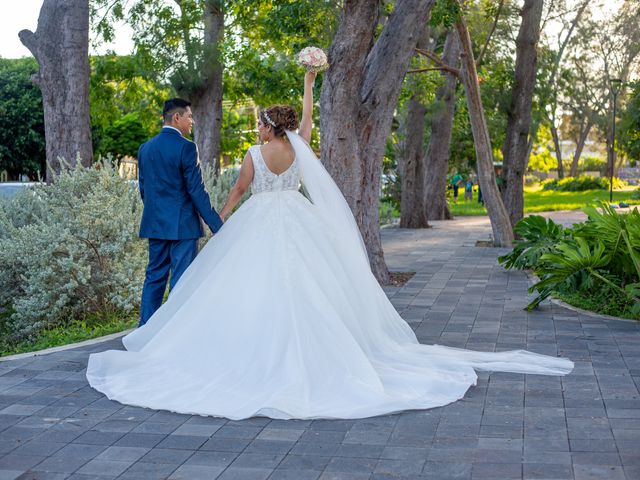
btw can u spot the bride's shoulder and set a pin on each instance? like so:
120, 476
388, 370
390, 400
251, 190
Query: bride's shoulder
252, 153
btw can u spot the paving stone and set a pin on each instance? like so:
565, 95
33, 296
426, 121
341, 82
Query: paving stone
196, 430
122, 454
304, 462
226, 444
503, 471
547, 471
167, 455
274, 447
245, 474
144, 470
218, 459
10, 474
94, 437
13, 461
458, 470
186, 442
594, 472
196, 472
280, 474
404, 467
147, 440
351, 465
104, 467
40, 475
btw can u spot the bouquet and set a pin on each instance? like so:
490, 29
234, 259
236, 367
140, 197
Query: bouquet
313, 58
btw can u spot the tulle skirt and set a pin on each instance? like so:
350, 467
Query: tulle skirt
276, 318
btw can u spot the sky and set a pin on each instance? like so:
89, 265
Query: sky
23, 14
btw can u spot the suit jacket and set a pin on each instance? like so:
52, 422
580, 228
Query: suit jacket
172, 189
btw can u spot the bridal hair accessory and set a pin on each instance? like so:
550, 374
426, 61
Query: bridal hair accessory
313, 59
268, 119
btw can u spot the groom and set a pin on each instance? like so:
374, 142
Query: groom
174, 198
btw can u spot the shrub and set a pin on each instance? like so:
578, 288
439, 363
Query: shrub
531, 180
635, 195
542, 161
581, 184
592, 164
591, 259
70, 249
388, 213
220, 185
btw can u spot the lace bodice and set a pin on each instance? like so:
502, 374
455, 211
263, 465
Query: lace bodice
264, 180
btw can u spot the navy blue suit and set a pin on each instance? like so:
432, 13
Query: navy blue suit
174, 198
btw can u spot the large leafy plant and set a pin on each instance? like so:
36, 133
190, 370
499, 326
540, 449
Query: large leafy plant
600, 254
537, 237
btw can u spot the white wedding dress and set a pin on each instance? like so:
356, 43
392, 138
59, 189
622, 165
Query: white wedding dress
280, 316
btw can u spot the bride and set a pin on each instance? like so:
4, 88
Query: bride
280, 316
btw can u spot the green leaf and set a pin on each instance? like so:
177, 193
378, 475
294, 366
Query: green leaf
538, 236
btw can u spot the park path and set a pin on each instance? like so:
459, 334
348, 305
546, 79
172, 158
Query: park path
509, 426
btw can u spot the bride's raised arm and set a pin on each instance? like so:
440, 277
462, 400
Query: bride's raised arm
307, 107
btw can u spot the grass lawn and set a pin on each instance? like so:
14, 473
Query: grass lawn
537, 200
74, 331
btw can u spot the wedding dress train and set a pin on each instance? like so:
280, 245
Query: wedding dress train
279, 315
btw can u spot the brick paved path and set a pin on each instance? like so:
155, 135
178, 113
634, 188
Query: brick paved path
510, 426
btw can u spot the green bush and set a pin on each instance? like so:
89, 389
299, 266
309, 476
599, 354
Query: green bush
592, 164
590, 260
542, 161
388, 213
531, 180
71, 260
68, 250
581, 184
635, 195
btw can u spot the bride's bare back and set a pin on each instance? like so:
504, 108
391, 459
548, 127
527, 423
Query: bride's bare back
278, 156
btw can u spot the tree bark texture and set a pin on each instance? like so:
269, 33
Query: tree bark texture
515, 149
437, 156
411, 203
60, 44
359, 95
207, 99
583, 134
498, 215
555, 135
412, 174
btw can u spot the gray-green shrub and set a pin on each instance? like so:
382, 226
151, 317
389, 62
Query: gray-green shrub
70, 249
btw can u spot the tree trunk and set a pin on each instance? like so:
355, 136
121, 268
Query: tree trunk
207, 104
558, 148
411, 204
60, 44
498, 215
437, 156
583, 134
359, 95
413, 169
516, 143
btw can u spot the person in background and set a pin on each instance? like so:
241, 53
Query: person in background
455, 184
468, 189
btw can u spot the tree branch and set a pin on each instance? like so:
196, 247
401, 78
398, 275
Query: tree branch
491, 32
29, 40
385, 63
453, 71
432, 56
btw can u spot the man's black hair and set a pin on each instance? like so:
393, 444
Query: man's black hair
174, 105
